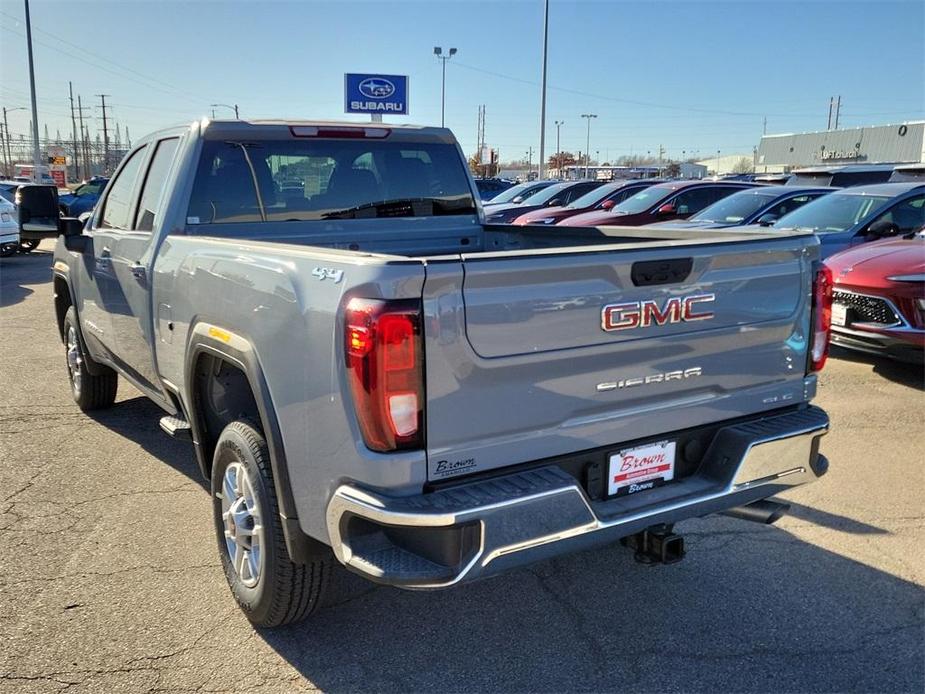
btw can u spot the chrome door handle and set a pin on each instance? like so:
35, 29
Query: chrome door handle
138, 271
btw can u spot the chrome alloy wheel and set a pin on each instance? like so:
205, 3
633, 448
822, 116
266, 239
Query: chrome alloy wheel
244, 536
74, 359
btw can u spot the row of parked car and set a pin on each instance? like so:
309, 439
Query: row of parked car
879, 288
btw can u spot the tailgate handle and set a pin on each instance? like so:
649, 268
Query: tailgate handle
649, 272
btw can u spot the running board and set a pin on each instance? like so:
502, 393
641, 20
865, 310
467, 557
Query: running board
176, 427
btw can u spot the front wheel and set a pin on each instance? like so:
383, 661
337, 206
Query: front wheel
90, 391
267, 585
28, 245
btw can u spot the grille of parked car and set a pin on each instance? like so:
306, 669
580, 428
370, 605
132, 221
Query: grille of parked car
867, 309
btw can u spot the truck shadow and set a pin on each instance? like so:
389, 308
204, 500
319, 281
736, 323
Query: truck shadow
18, 272
750, 609
910, 375
136, 419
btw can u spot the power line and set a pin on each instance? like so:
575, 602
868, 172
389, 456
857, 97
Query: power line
84, 50
692, 109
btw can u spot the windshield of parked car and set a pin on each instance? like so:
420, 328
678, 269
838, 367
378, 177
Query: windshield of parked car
643, 200
735, 208
833, 212
317, 179
8, 195
594, 196
524, 189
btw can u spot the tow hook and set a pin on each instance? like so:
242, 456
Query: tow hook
656, 545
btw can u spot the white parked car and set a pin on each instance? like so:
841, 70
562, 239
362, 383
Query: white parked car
9, 227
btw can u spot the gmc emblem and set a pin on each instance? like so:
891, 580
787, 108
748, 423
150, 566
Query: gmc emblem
642, 314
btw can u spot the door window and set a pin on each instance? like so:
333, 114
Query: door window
117, 208
908, 215
154, 183
692, 201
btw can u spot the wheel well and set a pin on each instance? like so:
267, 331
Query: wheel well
62, 302
221, 395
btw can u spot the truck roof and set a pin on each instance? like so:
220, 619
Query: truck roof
283, 128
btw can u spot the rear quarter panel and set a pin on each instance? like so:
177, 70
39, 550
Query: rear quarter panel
267, 294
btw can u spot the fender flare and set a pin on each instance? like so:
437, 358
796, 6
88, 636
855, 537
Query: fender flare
207, 338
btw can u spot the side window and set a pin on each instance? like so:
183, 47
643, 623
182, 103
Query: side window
577, 191
790, 204
118, 204
154, 183
692, 201
908, 215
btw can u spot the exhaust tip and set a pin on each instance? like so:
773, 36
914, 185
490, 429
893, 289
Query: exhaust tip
764, 511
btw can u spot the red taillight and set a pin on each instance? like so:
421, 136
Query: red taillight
349, 133
382, 342
821, 319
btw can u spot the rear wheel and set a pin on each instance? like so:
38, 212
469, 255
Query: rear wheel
267, 585
8, 249
90, 391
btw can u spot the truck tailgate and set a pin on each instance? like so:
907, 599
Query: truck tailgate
533, 355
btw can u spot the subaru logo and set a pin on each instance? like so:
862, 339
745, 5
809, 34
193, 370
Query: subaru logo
376, 88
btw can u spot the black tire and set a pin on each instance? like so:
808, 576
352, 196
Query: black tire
284, 592
8, 249
28, 245
90, 391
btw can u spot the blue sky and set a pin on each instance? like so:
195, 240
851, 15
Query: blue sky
691, 76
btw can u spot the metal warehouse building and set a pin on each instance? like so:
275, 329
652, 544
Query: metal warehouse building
900, 143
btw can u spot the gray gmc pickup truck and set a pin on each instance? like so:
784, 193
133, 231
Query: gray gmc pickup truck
370, 374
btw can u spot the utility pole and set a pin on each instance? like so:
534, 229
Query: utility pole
529, 162
837, 110
70, 89
105, 134
83, 138
36, 154
828, 125
559, 124
543, 98
3, 146
589, 116
764, 127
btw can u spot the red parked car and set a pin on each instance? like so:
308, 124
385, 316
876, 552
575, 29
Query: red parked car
659, 203
604, 198
878, 300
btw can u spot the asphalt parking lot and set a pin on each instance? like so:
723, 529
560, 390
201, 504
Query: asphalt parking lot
110, 578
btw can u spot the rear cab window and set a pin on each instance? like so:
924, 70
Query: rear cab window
326, 179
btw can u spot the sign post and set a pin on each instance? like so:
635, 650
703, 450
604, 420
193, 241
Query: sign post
376, 95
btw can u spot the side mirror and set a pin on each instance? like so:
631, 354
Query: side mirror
555, 202
666, 210
608, 204
767, 219
37, 210
882, 229
517, 199
72, 229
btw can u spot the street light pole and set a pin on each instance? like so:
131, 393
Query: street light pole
589, 116
438, 51
542, 161
559, 124
36, 152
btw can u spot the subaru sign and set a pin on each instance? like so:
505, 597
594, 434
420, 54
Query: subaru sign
376, 94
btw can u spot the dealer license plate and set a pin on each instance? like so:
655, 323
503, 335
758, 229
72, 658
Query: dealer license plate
839, 314
641, 468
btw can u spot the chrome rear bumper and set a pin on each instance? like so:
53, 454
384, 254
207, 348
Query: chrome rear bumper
439, 539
